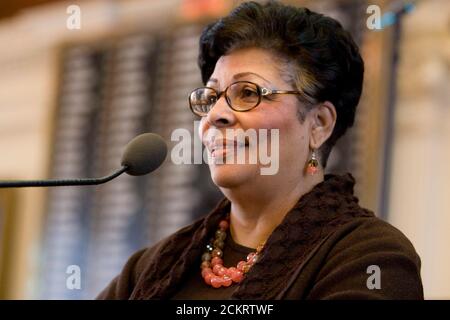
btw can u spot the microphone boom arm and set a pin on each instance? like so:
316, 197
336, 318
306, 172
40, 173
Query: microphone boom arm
61, 182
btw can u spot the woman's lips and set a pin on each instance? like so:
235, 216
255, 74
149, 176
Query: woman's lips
224, 147
222, 152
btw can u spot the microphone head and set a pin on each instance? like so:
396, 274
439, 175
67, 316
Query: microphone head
144, 154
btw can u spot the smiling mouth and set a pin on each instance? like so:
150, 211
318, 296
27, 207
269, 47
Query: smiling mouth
221, 148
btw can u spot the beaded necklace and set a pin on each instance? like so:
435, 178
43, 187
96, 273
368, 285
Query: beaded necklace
213, 271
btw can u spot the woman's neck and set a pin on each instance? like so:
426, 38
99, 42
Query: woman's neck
256, 213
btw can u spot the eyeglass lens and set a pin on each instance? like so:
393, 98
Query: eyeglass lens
240, 95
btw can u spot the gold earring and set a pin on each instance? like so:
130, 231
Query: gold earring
312, 167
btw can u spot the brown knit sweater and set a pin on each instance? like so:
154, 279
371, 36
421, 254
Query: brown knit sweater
321, 250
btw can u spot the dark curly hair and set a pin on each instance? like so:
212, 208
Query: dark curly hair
317, 56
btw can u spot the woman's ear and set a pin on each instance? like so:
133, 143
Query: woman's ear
322, 123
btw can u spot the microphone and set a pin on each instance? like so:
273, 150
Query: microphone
143, 154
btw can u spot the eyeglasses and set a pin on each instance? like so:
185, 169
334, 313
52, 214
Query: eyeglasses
240, 96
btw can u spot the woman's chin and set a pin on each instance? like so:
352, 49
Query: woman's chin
232, 175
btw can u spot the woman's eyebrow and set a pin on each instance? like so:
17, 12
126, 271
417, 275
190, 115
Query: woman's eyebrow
240, 75
244, 74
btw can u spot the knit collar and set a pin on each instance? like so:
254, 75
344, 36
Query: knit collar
318, 213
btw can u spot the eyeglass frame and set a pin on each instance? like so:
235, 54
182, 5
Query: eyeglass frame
262, 92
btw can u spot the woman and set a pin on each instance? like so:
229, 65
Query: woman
295, 234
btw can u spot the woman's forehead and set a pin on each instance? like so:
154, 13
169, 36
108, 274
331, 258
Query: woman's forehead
251, 63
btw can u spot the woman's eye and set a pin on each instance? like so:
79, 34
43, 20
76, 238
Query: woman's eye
211, 99
246, 92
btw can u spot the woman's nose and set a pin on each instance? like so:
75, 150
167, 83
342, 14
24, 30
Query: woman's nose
221, 114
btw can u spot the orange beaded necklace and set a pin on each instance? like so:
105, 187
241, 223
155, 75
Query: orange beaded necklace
213, 271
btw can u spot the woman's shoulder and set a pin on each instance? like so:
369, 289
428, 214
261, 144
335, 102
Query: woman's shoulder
374, 232
358, 253
138, 263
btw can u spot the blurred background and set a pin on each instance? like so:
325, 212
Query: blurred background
79, 79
